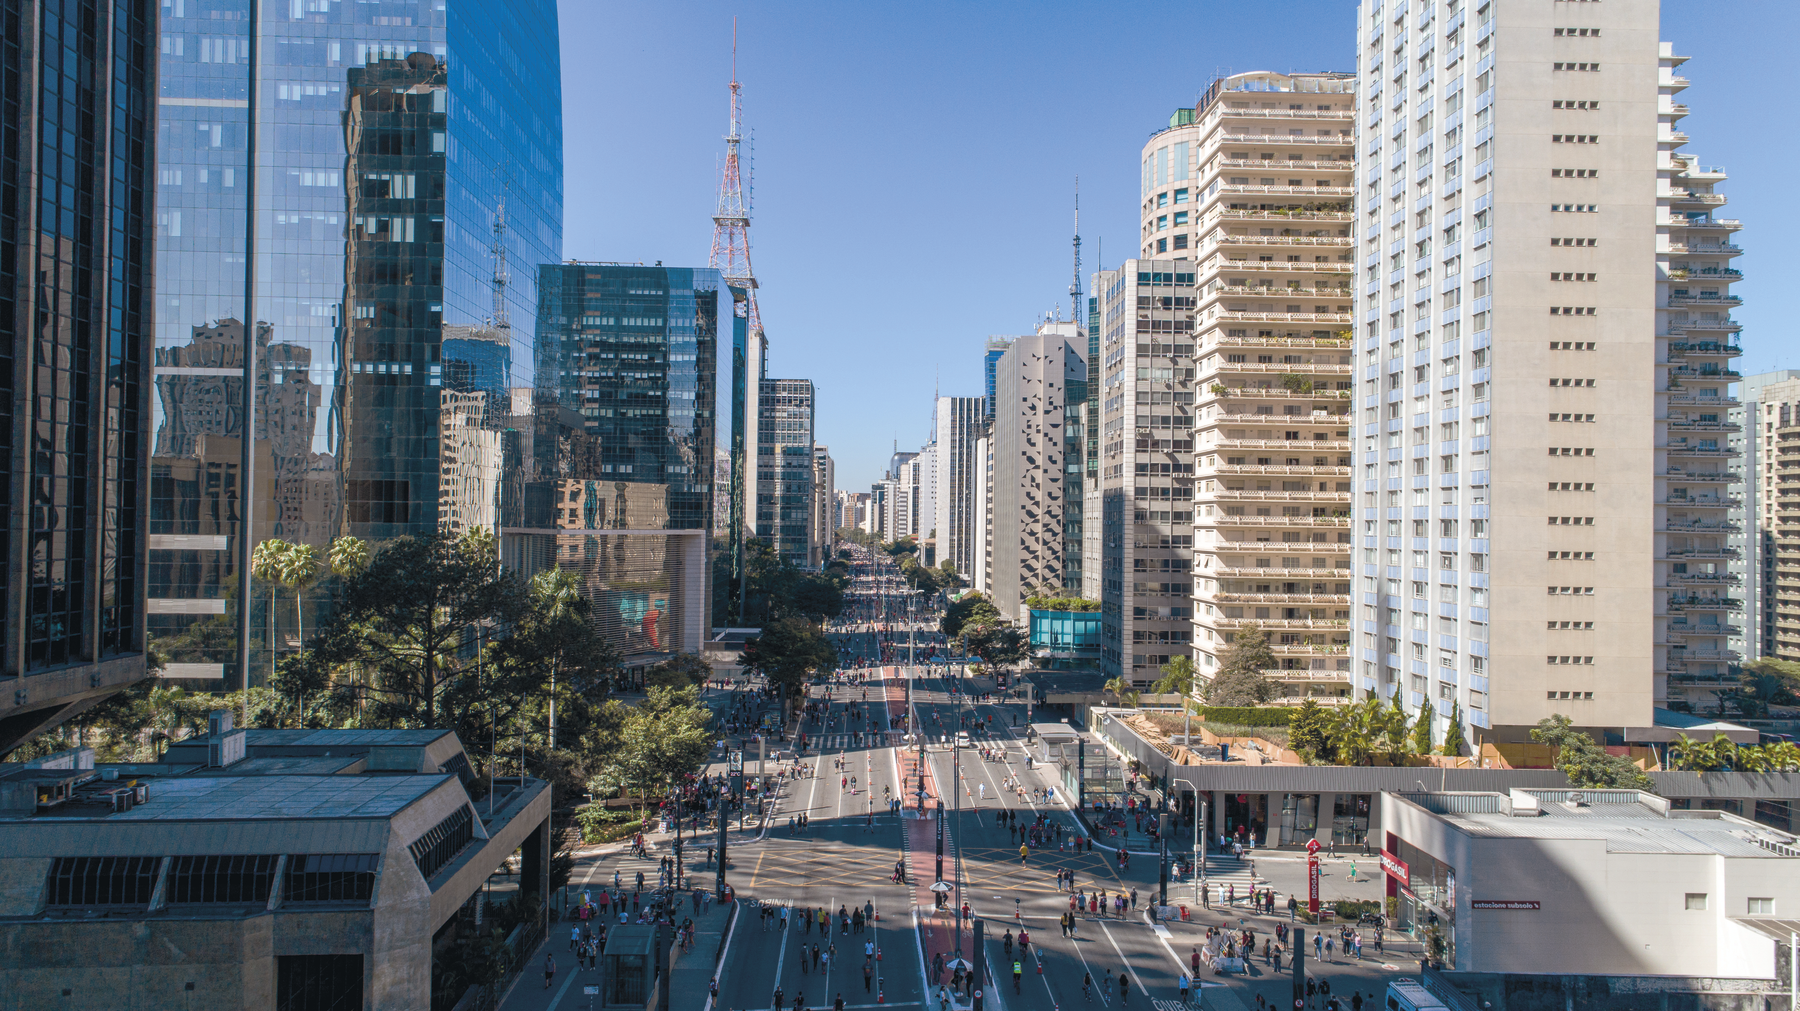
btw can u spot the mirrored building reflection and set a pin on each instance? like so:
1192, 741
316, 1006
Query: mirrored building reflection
75, 275
406, 154
630, 369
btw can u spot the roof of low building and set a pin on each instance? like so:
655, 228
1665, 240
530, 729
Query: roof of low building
1627, 821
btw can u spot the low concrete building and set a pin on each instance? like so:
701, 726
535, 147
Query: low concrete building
1587, 882
260, 868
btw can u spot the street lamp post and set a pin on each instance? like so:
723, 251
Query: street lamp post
1199, 861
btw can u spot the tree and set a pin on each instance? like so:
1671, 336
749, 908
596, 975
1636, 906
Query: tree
1308, 731
1239, 687
268, 562
970, 608
1240, 680
1717, 755
1357, 732
1586, 763
663, 738
1421, 731
680, 669
814, 596
1393, 731
1453, 732
1767, 682
407, 617
1177, 677
788, 652
347, 556
1122, 690
996, 643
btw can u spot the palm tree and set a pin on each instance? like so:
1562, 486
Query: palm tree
299, 568
1720, 753
266, 564
1123, 690
559, 590
165, 709
348, 556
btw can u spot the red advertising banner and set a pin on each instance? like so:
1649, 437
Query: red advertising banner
1506, 904
1396, 868
1312, 885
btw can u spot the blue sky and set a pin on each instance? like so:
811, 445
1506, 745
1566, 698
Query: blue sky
915, 163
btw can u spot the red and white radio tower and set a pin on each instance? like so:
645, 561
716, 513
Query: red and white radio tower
731, 224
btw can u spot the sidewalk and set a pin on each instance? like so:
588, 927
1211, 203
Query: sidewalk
690, 972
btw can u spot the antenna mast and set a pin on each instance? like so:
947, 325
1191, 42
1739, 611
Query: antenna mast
501, 319
1075, 284
731, 223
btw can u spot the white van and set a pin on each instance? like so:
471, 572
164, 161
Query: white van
1410, 995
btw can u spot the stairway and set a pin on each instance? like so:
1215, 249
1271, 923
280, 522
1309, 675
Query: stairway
1225, 870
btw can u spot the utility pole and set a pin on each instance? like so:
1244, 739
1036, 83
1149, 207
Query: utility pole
1299, 967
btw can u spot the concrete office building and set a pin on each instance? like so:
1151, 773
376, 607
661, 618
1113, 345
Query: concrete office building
1528, 483
75, 286
408, 181
262, 868
1589, 883
1250, 193
1035, 382
957, 425
784, 468
984, 513
1767, 401
824, 523
1091, 553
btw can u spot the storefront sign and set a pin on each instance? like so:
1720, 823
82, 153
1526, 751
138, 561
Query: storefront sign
1396, 868
1312, 884
1506, 904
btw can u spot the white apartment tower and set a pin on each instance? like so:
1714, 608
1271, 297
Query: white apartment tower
1538, 530
957, 423
1033, 436
1769, 401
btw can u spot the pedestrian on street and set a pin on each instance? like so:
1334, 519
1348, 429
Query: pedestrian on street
549, 969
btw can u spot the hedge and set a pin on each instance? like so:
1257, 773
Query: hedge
1248, 716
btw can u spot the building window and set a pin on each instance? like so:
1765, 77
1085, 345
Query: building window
331, 877
102, 881
319, 982
1762, 907
446, 839
1696, 900
216, 878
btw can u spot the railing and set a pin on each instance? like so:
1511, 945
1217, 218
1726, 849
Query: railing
1226, 263
1273, 470
1238, 495
1296, 191
1282, 622
1441, 988
1295, 445
1245, 597
1278, 368
1271, 521
1270, 291
1229, 113
1217, 340
1273, 573
1235, 316
1257, 138
1238, 213
1227, 239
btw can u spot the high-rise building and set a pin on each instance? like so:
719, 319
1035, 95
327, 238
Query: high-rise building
1252, 191
76, 146
1768, 401
1699, 569
401, 167
784, 468
1147, 463
958, 424
825, 512
1091, 553
990, 360
1785, 539
1030, 547
635, 356
1540, 524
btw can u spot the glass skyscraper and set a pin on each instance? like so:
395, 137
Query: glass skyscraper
75, 148
406, 155
631, 359
784, 468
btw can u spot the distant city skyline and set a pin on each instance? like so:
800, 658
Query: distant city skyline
847, 102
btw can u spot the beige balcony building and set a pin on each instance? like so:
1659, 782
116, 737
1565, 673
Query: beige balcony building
1225, 446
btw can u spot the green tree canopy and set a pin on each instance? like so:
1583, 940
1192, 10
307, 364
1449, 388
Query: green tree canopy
997, 643
1240, 680
1309, 732
969, 609
1177, 677
1454, 743
1585, 762
788, 652
1421, 731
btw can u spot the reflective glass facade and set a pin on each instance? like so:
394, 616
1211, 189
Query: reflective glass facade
784, 468
630, 364
75, 150
408, 166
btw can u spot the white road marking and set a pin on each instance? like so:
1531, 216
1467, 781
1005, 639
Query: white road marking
1115, 944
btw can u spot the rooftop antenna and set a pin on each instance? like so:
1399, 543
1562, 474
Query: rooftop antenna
731, 222
1075, 284
502, 322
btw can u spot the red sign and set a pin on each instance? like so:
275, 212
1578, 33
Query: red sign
1312, 845
1506, 904
1312, 885
1396, 869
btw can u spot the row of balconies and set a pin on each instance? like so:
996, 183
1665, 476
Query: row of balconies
1215, 338
1702, 477
1255, 469
1219, 237
1275, 598
1684, 629
1271, 573
1705, 248
1216, 365
1221, 262
1271, 291
1292, 445
1278, 496
1680, 348
1702, 554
